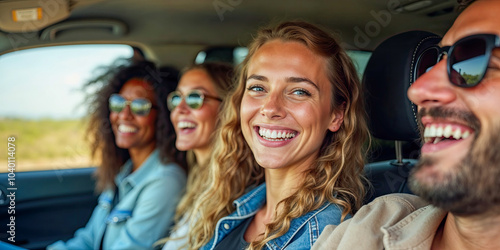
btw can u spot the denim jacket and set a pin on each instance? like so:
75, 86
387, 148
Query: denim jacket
144, 213
303, 232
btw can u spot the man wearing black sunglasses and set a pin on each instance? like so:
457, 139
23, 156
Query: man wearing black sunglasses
457, 91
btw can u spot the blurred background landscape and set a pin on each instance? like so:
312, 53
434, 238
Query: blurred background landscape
42, 104
44, 144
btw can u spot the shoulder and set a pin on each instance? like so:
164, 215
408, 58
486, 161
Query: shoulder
163, 181
403, 203
387, 210
167, 172
384, 211
329, 214
171, 169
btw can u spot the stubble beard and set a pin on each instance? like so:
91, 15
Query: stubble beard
472, 186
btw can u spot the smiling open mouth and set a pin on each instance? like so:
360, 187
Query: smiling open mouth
126, 129
436, 133
186, 125
276, 135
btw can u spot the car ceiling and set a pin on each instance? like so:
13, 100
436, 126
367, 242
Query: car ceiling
173, 31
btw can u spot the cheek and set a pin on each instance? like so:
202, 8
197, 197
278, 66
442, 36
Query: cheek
317, 118
483, 101
207, 115
249, 108
310, 113
147, 121
173, 115
113, 117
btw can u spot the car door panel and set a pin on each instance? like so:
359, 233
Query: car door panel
46, 205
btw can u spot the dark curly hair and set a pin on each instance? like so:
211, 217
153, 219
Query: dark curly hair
462, 4
101, 137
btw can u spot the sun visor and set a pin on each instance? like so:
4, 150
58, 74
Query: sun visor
19, 16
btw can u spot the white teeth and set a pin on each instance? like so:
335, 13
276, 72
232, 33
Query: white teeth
465, 134
268, 133
439, 132
183, 124
447, 131
432, 131
126, 129
435, 134
427, 133
457, 134
275, 135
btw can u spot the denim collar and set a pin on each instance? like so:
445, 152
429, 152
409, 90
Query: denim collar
250, 203
295, 225
126, 179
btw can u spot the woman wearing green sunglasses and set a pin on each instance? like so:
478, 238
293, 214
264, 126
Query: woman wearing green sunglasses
133, 139
195, 107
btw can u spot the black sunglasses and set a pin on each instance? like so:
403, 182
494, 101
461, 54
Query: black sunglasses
467, 60
139, 106
194, 99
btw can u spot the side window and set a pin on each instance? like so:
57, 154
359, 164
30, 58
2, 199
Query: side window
42, 109
236, 55
360, 60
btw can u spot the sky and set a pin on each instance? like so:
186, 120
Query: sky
45, 82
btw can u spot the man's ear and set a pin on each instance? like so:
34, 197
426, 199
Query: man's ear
337, 119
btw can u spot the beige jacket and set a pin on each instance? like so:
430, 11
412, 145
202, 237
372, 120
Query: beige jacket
395, 221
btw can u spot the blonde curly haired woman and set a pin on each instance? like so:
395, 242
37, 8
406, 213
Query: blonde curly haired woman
195, 106
289, 156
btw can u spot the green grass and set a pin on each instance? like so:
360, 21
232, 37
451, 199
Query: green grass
45, 139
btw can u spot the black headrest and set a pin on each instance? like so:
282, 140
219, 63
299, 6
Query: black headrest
387, 76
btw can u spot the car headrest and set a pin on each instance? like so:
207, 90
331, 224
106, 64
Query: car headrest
387, 77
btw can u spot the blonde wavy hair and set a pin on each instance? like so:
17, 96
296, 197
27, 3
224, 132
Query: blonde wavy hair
337, 174
222, 77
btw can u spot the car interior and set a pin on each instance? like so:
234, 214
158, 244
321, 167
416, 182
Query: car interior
392, 116
383, 37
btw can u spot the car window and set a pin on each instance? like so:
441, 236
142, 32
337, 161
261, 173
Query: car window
42, 107
360, 59
236, 55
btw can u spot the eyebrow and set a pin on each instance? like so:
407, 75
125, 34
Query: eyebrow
288, 79
302, 79
258, 78
201, 88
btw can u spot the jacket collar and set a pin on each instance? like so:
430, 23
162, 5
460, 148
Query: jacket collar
251, 202
295, 225
126, 179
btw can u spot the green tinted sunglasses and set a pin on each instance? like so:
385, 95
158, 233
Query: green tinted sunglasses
194, 99
139, 106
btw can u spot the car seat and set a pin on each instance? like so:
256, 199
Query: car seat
391, 115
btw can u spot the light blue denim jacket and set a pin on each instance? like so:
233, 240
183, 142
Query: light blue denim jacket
144, 214
303, 232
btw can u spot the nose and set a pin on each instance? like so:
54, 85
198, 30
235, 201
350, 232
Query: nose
273, 106
432, 88
126, 113
182, 108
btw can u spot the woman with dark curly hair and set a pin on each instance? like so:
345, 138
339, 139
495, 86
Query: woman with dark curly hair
133, 137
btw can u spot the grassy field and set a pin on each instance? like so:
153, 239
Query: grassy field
45, 144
